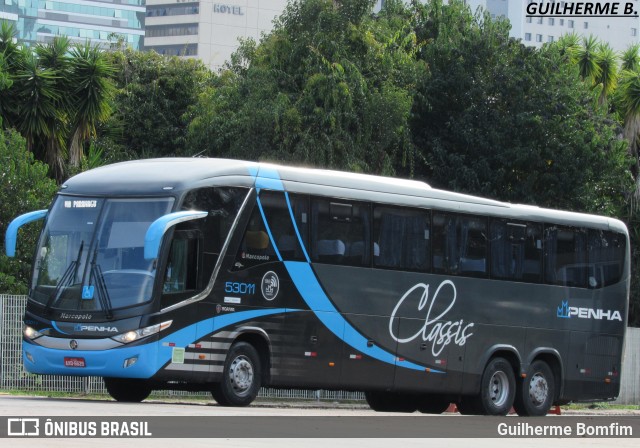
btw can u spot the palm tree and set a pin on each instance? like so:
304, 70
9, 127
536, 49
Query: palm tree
38, 115
630, 58
629, 94
587, 59
8, 60
54, 56
607, 76
91, 75
569, 46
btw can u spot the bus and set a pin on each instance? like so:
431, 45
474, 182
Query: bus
226, 276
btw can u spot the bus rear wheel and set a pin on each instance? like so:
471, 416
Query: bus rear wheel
127, 390
381, 401
535, 392
497, 389
241, 375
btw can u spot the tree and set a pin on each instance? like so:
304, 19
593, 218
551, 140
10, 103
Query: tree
631, 58
587, 59
55, 95
25, 187
90, 76
330, 86
153, 99
607, 79
502, 120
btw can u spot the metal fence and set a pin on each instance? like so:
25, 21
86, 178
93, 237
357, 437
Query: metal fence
14, 377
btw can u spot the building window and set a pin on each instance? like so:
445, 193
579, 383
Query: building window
586, 25
539, 20
561, 22
171, 30
170, 10
528, 19
550, 39
527, 37
570, 23
538, 37
176, 50
634, 31
552, 21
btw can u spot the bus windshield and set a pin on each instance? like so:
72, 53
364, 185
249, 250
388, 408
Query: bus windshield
91, 253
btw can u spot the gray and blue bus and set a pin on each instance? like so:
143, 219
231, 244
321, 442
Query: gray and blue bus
226, 276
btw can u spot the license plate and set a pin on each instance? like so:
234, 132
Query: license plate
74, 362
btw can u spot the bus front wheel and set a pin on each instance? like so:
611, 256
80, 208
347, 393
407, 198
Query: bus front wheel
497, 388
535, 392
240, 381
127, 390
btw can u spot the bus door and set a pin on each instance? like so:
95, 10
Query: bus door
371, 365
427, 363
180, 282
311, 340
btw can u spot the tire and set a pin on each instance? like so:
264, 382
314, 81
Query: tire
497, 388
241, 377
433, 404
534, 394
127, 390
391, 401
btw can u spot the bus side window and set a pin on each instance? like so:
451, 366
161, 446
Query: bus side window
182, 265
276, 211
606, 258
566, 260
341, 232
459, 244
401, 239
516, 250
256, 247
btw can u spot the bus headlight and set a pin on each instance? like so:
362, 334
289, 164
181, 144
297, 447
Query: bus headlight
31, 333
134, 335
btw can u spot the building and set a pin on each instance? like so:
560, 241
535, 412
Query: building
619, 32
101, 21
206, 29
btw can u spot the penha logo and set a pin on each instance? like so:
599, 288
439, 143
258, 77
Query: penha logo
565, 311
94, 328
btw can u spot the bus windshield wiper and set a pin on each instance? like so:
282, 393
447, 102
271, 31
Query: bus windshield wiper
97, 278
68, 278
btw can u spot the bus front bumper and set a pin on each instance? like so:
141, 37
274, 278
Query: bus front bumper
138, 361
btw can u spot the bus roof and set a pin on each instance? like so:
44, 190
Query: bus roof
155, 177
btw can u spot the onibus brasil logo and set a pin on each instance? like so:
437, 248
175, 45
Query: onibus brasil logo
567, 312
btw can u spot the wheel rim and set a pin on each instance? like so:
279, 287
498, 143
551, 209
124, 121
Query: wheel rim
241, 375
499, 388
538, 389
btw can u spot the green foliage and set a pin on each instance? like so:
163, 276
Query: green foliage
153, 101
25, 187
55, 94
502, 120
331, 86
